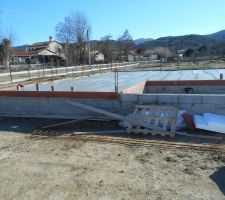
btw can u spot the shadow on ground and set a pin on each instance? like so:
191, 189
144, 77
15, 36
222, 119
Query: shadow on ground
219, 178
29, 125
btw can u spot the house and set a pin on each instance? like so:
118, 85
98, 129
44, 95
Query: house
97, 56
39, 53
153, 57
21, 57
45, 52
130, 57
180, 54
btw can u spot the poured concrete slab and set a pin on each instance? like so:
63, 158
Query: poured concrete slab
105, 82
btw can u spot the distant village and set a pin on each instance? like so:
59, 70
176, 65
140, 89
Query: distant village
54, 52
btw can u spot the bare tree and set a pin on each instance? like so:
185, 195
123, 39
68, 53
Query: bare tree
125, 43
120, 46
74, 30
105, 47
6, 52
7, 40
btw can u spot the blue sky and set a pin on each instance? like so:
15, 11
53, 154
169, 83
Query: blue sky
34, 21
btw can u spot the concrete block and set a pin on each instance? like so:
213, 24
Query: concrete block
128, 97
202, 108
197, 108
108, 105
192, 99
168, 99
213, 99
147, 98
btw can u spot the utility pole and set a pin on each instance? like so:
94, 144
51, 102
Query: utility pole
10, 73
89, 51
167, 50
67, 54
107, 49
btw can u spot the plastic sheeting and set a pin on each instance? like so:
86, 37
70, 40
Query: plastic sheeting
210, 122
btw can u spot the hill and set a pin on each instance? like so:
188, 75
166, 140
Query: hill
179, 42
21, 48
220, 35
142, 40
212, 44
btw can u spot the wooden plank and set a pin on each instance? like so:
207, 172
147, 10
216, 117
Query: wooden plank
169, 116
97, 110
82, 119
115, 116
99, 132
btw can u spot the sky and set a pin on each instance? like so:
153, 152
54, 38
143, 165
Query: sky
34, 21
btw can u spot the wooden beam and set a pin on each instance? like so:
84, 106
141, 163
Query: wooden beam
84, 118
132, 121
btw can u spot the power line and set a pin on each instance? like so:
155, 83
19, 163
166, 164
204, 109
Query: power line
25, 14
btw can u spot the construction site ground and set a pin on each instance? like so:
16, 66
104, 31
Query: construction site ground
33, 167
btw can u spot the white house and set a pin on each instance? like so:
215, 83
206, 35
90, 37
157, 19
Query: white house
97, 56
43, 52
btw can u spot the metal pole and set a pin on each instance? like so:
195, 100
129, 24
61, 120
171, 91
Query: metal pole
43, 68
107, 51
167, 51
37, 86
115, 80
67, 43
116, 77
28, 70
117, 73
10, 73
89, 51
52, 88
56, 70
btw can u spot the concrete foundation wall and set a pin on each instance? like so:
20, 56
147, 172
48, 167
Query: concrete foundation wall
44, 107
181, 89
178, 87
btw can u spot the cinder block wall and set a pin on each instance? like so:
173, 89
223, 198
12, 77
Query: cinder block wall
48, 107
193, 103
178, 87
181, 89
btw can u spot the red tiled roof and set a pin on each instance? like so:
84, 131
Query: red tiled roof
22, 53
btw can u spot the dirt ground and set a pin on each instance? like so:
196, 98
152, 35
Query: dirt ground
57, 168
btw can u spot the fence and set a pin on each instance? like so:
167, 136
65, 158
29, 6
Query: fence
27, 72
